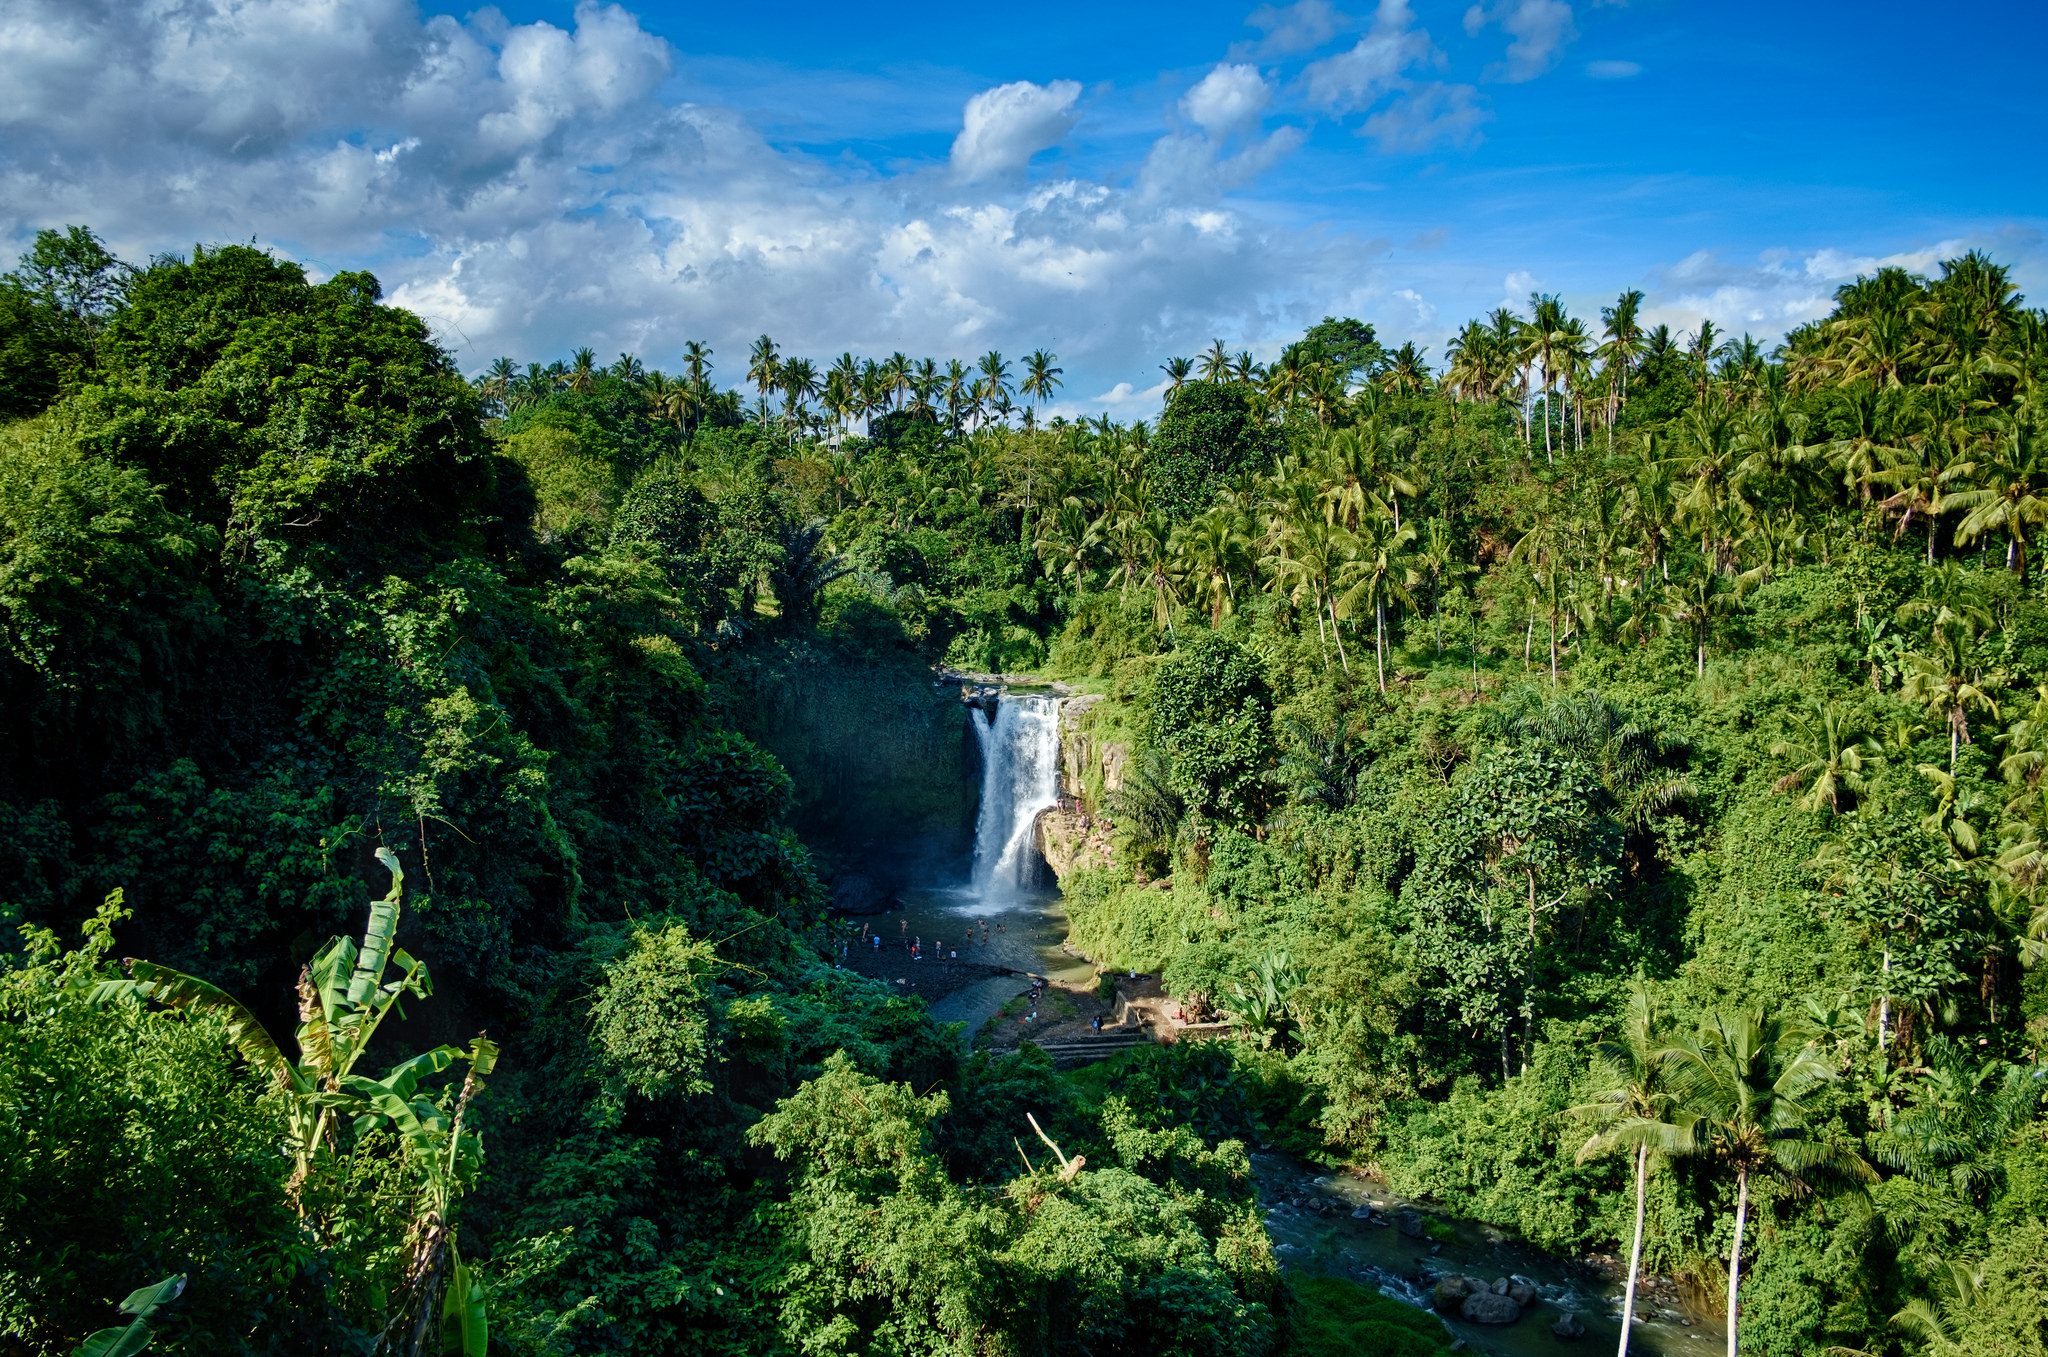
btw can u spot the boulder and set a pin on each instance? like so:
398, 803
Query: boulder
1487, 1308
1450, 1292
1521, 1292
1362, 1213
853, 893
1410, 1223
1500, 1286
1568, 1327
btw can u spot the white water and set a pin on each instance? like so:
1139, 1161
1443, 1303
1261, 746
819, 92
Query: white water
1020, 776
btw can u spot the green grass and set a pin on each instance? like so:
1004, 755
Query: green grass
1333, 1317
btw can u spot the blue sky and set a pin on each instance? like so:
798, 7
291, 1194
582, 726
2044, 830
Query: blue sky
1116, 183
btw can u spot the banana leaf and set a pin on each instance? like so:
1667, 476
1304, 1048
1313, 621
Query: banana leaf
175, 989
464, 1332
141, 1303
369, 968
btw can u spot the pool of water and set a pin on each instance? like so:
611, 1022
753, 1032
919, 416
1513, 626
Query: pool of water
1025, 932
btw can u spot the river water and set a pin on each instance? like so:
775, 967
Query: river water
1008, 915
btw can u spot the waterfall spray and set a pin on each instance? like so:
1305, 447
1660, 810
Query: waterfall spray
1020, 776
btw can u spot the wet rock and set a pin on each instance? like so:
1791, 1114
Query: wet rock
1410, 1224
1568, 1327
1500, 1286
1435, 1249
1521, 1293
1362, 1213
1450, 1292
1487, 1308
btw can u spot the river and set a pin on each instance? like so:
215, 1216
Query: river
1005, 923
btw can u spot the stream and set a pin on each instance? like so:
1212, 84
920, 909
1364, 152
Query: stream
979, 940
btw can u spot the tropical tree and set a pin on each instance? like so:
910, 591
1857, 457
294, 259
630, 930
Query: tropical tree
764, 367
2008, 499
1374, 575
1832, 757
344, 997
1747, 1086
1633, 1111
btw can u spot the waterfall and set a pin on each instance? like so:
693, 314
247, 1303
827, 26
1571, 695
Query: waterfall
1020, 776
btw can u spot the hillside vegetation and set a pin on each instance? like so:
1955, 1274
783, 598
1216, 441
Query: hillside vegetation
1606, 764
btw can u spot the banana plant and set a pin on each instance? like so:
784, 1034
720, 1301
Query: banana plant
141, 1303
345, 993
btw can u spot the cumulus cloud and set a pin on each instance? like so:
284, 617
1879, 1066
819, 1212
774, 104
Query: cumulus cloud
530, 187
1227, 98
1004, 127
1427, 117
1541, 30
1374, 68
1300, 27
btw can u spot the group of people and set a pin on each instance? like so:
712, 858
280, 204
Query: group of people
871, 938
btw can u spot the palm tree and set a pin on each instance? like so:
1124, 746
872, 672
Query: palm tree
1407, 373
1211, 554
1623, 348
1041, 378
764, 367
992, 391
1706, 346
1945, 681
1701, 606
1831, 752
1375, 576
1177, 371
1633, 1109
496, 384
2010, 477
799, 382
1538, 343
582, 370
1216, 363
954, 387
1746, 1089
697, 367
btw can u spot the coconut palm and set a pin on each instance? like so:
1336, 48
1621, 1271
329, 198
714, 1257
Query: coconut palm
1213, 557
1041, 377
1831, 754
1632, 1110
1177, 371
1623, 349
1216, 363
1746, 1087
1375, 575
1948, 684
582, 371
2011, 476
764, 366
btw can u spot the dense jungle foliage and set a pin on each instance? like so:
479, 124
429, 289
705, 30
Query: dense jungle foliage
1647, 800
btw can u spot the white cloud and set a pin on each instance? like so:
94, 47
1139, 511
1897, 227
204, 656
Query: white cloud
1227, 98
1614, 70
1300, 27
1002, 128
1430, 115
1376, 67
1541, 30
528, 188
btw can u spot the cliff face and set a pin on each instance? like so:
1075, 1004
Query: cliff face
1075, 833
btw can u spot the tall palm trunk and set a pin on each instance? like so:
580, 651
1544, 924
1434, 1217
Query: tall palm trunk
1340, 641
1379, 643
1635, 1252
1735, 1253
